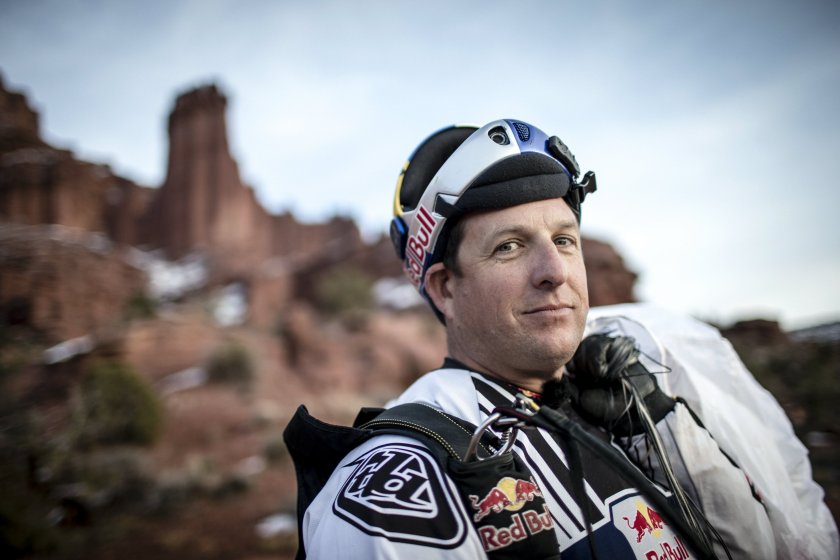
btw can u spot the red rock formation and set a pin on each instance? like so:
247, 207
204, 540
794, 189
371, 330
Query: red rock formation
64, 282
756, 333
608, 278
18, 121
203, 204
269, 290
125, 204
40, 184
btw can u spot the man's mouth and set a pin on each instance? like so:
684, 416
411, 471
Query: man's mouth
551, 309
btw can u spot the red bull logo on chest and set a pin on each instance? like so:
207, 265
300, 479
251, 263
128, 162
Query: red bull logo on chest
647, 532
511, 495
647, 521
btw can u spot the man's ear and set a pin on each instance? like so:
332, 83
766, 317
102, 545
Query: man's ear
437, 287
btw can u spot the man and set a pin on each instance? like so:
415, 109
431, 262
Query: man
487, 223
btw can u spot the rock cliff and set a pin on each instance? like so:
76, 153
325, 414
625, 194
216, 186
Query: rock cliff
41, 184
65, 282
203, 204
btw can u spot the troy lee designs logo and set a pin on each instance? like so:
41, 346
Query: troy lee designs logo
397, 491
418, 245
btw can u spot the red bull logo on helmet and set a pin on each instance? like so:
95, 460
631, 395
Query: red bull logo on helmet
418, 245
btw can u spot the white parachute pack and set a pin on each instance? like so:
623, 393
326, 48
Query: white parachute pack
693, 361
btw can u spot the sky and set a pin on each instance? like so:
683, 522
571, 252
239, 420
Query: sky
713, 127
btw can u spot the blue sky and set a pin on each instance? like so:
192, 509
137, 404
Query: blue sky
714, 127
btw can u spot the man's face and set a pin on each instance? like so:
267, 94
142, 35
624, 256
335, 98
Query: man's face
518, 307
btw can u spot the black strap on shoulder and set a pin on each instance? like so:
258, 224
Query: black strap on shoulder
451, 434
317, 447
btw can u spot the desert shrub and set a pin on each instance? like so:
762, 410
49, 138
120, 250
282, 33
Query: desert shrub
117, 406
275, 449
231, 363
174, 490
24, 528
140, 306
106, 477
344, 289
231, 485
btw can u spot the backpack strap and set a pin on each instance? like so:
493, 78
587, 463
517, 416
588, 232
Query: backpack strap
447, 432
317, 448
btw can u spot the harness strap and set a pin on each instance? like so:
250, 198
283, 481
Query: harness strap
317, 448
449, 432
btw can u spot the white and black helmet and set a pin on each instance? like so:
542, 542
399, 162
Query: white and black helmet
461, 169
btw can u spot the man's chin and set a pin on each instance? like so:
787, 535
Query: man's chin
562, 356
549, 364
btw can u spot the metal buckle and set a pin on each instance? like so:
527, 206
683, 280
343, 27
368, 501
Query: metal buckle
501, 420
508, 436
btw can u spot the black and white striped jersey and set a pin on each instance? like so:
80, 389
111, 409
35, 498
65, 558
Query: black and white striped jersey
390, 499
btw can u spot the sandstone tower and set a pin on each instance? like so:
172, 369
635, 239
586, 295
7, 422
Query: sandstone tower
203, 204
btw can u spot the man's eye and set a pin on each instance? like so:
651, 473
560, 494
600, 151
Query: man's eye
506, 247
564, 241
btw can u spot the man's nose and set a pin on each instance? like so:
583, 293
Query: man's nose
549, 269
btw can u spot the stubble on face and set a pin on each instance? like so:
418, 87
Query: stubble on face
518, 306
